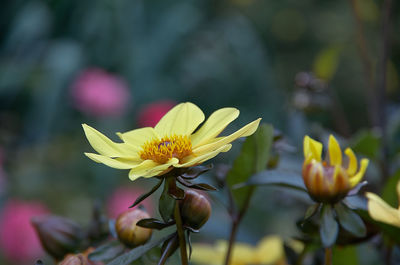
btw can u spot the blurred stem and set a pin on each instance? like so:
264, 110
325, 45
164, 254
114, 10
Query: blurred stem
236, 219
328, 256
367, 64
181, 234
381, 83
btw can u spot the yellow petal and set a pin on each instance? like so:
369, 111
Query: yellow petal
270, 250
183, 119
380, 211
335, 153
207, 254
247, 130
312, 149
214, 125
194, 160
139, 136
119, 163
352, 168
354, 180
104, 145
149, 168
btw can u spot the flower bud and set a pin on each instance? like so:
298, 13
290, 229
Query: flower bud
195, 209
329, 181
58, 235
128, 232
80, 259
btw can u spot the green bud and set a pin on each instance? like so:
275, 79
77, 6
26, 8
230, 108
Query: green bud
128, 232
195, 209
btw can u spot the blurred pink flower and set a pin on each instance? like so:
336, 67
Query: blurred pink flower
150, 114
123, 197
18, 241
98, 93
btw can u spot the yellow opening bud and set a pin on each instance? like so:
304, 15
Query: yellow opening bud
329, 181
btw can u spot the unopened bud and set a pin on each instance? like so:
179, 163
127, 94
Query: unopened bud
58, 235
195, 209
80, 259
128, 232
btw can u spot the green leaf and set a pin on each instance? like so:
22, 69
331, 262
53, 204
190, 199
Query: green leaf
344, 255
136, 253
357, 202
107, 251
253, 158
326, 62
278, 177
166, 204
350, 220
153, 223
329, 227
389, 193
367, 143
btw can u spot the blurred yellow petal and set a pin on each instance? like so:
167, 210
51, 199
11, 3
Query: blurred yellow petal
380, 211
214, 125
273, 245
183, 119
120, 163
104, 146
247, 130
312, 149
149, 168
335, 153
352, 168
194, 160
207, 254
354, 180
139, 136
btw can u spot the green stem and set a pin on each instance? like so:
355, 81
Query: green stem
328, 256
181, 234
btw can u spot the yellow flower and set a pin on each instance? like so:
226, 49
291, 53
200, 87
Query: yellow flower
268, 251
330, 181
380, 211
172, 143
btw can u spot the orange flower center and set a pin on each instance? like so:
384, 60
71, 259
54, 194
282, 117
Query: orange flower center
162, 150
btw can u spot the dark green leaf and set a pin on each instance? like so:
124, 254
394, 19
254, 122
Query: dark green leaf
144, 196
253, 158
199, 186
166, 204
194, 172
329, 227
153, 223
107, 251
311, 211
168, 248
350, 220
277, 177
136, 253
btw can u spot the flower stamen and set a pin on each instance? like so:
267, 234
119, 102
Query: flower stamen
162, 150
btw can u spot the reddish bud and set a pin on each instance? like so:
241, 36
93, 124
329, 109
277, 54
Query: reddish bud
58, 235
195, 209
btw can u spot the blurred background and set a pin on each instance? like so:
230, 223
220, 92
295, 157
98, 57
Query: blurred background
308, 67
